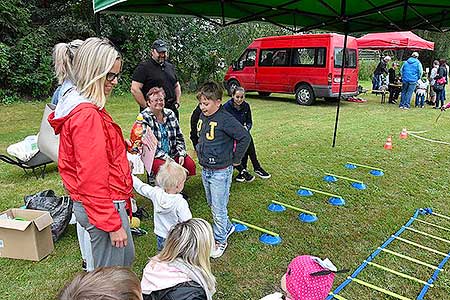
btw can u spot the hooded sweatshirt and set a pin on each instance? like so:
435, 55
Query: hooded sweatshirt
168, 209
92, 159
222, 140
411, 70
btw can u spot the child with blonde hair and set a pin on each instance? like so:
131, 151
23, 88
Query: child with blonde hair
182, 270
169, 206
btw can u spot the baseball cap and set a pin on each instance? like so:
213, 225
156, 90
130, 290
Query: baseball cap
159, 46
302, 285
415, 54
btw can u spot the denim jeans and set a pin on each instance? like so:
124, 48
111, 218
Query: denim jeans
217, 185
376, 82
407, 91
420, 100
440, 98
160, 241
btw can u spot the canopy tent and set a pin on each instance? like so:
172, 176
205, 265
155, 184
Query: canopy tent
394, 41
303, 15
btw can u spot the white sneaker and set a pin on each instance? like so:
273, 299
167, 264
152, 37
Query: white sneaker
232, 229
218, 250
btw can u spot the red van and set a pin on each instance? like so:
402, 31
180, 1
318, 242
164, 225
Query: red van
308, 66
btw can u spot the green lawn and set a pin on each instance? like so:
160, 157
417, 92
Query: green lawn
294, 144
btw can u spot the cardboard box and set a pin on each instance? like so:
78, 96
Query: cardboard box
25, 234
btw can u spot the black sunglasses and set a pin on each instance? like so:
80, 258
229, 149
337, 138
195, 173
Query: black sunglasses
110, 76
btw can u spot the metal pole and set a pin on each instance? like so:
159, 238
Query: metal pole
97, 24
341, 81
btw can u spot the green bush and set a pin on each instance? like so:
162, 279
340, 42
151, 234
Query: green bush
366, 68
32, 64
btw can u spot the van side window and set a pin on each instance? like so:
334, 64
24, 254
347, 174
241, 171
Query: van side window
247, 59
314, 57
274, 57
350, 58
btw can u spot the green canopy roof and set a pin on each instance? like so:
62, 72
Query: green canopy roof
302, 15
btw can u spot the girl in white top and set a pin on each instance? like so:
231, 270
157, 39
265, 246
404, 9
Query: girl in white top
169, 206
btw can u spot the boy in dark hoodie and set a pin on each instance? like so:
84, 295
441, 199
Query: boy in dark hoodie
222, 142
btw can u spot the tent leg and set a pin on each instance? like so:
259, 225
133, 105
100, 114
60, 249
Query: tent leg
340, 87
97, 24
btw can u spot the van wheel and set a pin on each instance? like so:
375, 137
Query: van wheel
232, 84
264, 94
304, 94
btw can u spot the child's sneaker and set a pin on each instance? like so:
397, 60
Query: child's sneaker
218, 250
245, 176
230, 231
240, 177
263, 174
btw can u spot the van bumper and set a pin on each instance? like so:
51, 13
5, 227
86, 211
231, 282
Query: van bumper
325, 91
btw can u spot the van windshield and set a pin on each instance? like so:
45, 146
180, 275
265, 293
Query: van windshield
350, 58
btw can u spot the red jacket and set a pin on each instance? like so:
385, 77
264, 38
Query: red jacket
93, 163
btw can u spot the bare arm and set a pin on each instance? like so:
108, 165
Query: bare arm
137, 93
177, 92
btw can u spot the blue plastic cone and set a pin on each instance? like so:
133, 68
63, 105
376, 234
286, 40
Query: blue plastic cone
307, 218
335, 201
350, 166
359, 185
304, 193
239, 227
329, 178
276, 207
270, 239
376, 172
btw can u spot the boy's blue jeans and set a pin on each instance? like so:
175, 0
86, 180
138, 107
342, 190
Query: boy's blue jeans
160, 241
217, 185
420, 100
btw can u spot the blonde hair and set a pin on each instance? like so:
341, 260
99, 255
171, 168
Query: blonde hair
93, 60
109, 283
170, 174
63, 54
191, 241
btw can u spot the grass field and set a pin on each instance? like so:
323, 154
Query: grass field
294, 144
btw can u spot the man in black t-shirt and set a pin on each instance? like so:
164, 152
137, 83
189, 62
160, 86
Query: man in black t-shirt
156, 72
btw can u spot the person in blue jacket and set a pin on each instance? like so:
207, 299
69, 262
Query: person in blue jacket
411, 72
242, 112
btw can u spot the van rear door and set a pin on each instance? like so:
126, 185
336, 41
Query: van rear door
350, 80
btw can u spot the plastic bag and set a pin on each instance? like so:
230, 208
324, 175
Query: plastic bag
60, 208
24, 150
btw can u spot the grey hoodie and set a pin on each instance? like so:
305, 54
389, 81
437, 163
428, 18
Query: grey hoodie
168, 209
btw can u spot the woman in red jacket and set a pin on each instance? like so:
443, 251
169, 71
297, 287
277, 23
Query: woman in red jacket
92, 159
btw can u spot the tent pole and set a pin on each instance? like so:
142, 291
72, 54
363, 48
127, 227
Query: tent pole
340, 85
343, 5
97, 24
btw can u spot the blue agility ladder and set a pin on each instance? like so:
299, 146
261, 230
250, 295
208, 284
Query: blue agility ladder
396, 236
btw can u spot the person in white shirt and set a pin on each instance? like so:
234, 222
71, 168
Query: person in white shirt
169, 206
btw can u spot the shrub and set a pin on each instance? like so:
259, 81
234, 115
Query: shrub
366, 68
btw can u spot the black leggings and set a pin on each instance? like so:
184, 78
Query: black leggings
251, 151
